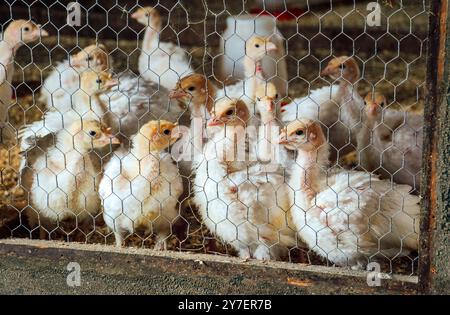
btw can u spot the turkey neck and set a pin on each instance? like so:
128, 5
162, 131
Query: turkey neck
9, 44
253, 71
202, 109
311, 165
365, 133
351, 107
348, 84
198, 131
199, 116
151, 36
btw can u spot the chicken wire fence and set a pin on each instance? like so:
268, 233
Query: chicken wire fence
322, 99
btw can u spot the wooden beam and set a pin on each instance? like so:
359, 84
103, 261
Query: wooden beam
32, 266
434, 262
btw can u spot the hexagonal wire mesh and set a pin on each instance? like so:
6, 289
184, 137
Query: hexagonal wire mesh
110, 73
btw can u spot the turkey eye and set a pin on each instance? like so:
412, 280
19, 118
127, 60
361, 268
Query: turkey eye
276, 95
229, 112
166, 132
26, 28
257, 45
98, 81
258, 99
365, 103
382, 104
191, 88
92, 133
89, 58
299, 132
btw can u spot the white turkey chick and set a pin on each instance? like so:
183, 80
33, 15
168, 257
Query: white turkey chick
65, 180
37, 137
196, 93
161, 62
64, 80
338, 107
347, 217
395, 150
368, 155
247, 212
85, 104
16, 34
269, 127
256, 48
140, 187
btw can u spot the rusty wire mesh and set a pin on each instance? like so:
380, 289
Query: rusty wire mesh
309, 34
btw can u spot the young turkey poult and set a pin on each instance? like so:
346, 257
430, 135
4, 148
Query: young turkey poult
64, 80
161, 62
248, 212
256, 48
141, 186
17, 34
347, 217
37, 137
65, 180
338, 107
390, 143
269, 127
368, 155
85, 103
196, 93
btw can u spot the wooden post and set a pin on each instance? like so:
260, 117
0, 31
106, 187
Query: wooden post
434, 262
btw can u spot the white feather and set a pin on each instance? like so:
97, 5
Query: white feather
163, 62
64, 185
247, 207
353, 215
140, 192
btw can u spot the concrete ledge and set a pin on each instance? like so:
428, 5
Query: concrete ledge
39, 267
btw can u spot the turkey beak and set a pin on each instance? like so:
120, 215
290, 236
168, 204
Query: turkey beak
114, 140
283, 139
43, 32
111, 138
178, 94
327, 71
111, 83
270, 46
373, 108
135, 15
270, 105
215, 121
75, 61
176, 133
